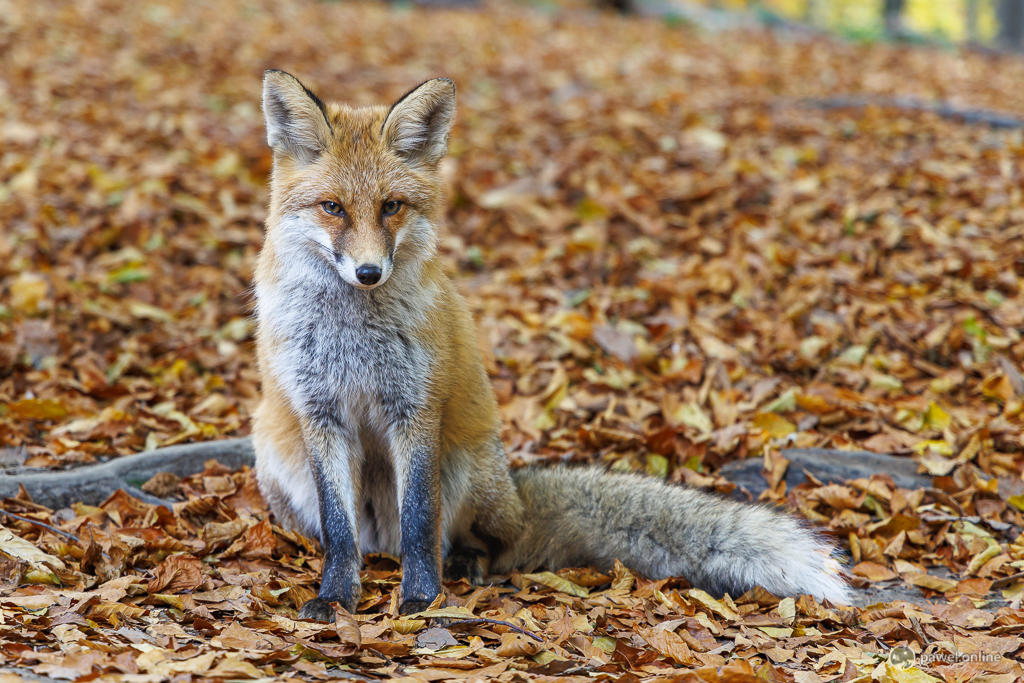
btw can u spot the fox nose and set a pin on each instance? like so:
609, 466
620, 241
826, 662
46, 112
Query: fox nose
368, 274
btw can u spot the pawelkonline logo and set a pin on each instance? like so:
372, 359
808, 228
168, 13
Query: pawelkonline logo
904, 657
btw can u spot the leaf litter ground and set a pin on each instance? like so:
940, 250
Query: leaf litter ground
674, 261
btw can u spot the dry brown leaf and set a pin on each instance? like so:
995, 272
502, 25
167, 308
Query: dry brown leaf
518, 645
177, 574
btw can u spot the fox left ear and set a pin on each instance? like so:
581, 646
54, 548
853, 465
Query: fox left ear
417, 125
297, 123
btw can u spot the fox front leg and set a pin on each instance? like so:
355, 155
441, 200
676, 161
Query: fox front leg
335, 457
417, 469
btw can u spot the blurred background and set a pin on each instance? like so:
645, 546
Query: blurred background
694, 237
992, 23
688, 232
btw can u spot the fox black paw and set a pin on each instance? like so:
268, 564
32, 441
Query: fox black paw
414, 606
464, 562
318, 609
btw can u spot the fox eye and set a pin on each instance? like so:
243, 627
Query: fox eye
392, 207
333, 208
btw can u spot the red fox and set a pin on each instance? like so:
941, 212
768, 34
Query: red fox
379, 429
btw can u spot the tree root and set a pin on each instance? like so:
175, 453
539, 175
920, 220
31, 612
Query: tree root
92, 484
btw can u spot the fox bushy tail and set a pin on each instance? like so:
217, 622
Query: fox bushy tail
586, 516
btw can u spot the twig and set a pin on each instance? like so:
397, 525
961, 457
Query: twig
1007, 580
497, 622
65, 534
34, 522
925, 640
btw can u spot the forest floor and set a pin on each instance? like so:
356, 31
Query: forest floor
679, 254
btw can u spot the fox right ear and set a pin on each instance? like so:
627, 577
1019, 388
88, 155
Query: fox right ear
297, 124
417, 125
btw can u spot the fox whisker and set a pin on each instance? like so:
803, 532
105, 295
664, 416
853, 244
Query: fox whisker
321, 248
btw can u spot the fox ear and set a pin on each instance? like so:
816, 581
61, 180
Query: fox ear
297, 123
417, 125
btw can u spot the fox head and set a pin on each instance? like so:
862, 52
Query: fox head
358, 187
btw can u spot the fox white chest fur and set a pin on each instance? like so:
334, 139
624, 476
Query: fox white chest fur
334, 346
350, 357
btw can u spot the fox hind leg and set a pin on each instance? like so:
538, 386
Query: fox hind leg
467, 559
287, 517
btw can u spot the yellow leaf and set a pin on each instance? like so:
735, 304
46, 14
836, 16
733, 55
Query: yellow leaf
582, 624
39, 408
544, 421
712, 604
940, 447
936, 418
29, 603
233, 668
872, 571
943, 385
28, 293
936, 465
146, 311
668, 644
930, 582
237, 329
773, 423
909, 675
853, 355
347, 629
544, 657
114, 611
812, 347
886, 382
175, 601
787, 610
587, 577
67, 633
624, 578
786, 402
405, 626
776, 632
691, 415
981, 558
716, 348
966, 528
18, 548
971, 450
222, 532
997, 387
518, 645
558, 583
40, 576
444, 613
81, 425
657, 466
195, 665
